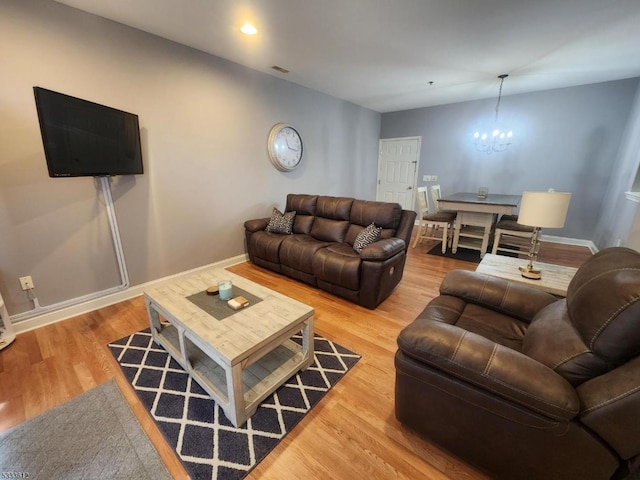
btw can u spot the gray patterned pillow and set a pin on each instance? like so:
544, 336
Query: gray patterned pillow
366, 237
281, 222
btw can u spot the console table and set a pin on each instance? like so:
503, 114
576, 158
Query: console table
476, 217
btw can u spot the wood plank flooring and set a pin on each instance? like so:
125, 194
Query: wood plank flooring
352, 433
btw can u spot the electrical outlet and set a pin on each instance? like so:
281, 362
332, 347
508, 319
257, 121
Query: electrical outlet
26, 282
429, 178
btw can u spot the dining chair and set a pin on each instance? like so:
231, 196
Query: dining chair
513, 236
436, 194
433, 225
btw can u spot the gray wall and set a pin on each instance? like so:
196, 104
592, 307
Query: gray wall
567, 139
204, 124
618, 213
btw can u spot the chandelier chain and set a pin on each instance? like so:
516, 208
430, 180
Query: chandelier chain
502, 77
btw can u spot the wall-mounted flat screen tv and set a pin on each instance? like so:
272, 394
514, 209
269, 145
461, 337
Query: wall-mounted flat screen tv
83, 138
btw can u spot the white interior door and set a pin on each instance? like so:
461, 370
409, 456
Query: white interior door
397, 170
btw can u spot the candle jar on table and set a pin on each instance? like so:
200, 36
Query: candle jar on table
225, 289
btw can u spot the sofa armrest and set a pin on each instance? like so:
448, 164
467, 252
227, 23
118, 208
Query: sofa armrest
611, 407
383, 249
256, 225
510, 298
490, 366
407, 222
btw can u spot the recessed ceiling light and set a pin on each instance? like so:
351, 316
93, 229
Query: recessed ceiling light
248, 29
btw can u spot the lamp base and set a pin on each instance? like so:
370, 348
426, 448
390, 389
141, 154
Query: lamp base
530, 272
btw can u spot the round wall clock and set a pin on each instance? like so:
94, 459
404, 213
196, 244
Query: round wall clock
285, 147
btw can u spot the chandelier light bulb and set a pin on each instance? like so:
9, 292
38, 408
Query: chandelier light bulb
499, 140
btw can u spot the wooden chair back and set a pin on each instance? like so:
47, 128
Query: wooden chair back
435, 196
423, 201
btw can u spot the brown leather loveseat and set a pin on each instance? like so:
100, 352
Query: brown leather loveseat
320, 252
524, 385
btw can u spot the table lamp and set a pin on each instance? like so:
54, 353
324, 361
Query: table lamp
541, 210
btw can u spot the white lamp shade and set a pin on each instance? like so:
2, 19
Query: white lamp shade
544, 209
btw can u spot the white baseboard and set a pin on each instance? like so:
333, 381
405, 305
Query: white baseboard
570, 241
83, 307
57, 315
564, 240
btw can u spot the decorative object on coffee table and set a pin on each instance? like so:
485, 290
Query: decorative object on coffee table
225, 289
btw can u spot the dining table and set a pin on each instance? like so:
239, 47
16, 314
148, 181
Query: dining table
476, 217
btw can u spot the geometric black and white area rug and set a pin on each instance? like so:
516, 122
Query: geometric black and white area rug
208, 445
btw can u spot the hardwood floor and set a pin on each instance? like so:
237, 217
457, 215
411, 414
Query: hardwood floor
352, 433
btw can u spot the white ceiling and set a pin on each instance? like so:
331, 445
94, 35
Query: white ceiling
382, 54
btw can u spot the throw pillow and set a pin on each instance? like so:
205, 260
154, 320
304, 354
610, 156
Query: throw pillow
281, 222
366, 237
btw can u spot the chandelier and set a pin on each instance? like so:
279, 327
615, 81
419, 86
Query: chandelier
497, 140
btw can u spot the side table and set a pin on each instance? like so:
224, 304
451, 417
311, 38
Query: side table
555, 278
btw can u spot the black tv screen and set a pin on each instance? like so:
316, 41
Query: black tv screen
83, 138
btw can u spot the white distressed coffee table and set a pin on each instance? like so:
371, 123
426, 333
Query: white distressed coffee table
241, 359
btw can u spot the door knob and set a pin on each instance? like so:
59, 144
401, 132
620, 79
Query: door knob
409, 188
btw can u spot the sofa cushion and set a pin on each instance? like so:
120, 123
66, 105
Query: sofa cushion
338, 264
366, 237
303, 224
266, 245
281, 222
297, 252
495, 326
301, 203
383, 214
329, 230
305, 207
336, 208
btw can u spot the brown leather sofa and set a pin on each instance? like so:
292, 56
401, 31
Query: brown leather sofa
526, 386
320, 249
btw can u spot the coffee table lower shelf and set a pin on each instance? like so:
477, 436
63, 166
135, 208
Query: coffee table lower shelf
238, 389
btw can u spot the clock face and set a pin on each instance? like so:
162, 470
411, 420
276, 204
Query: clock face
285, 147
